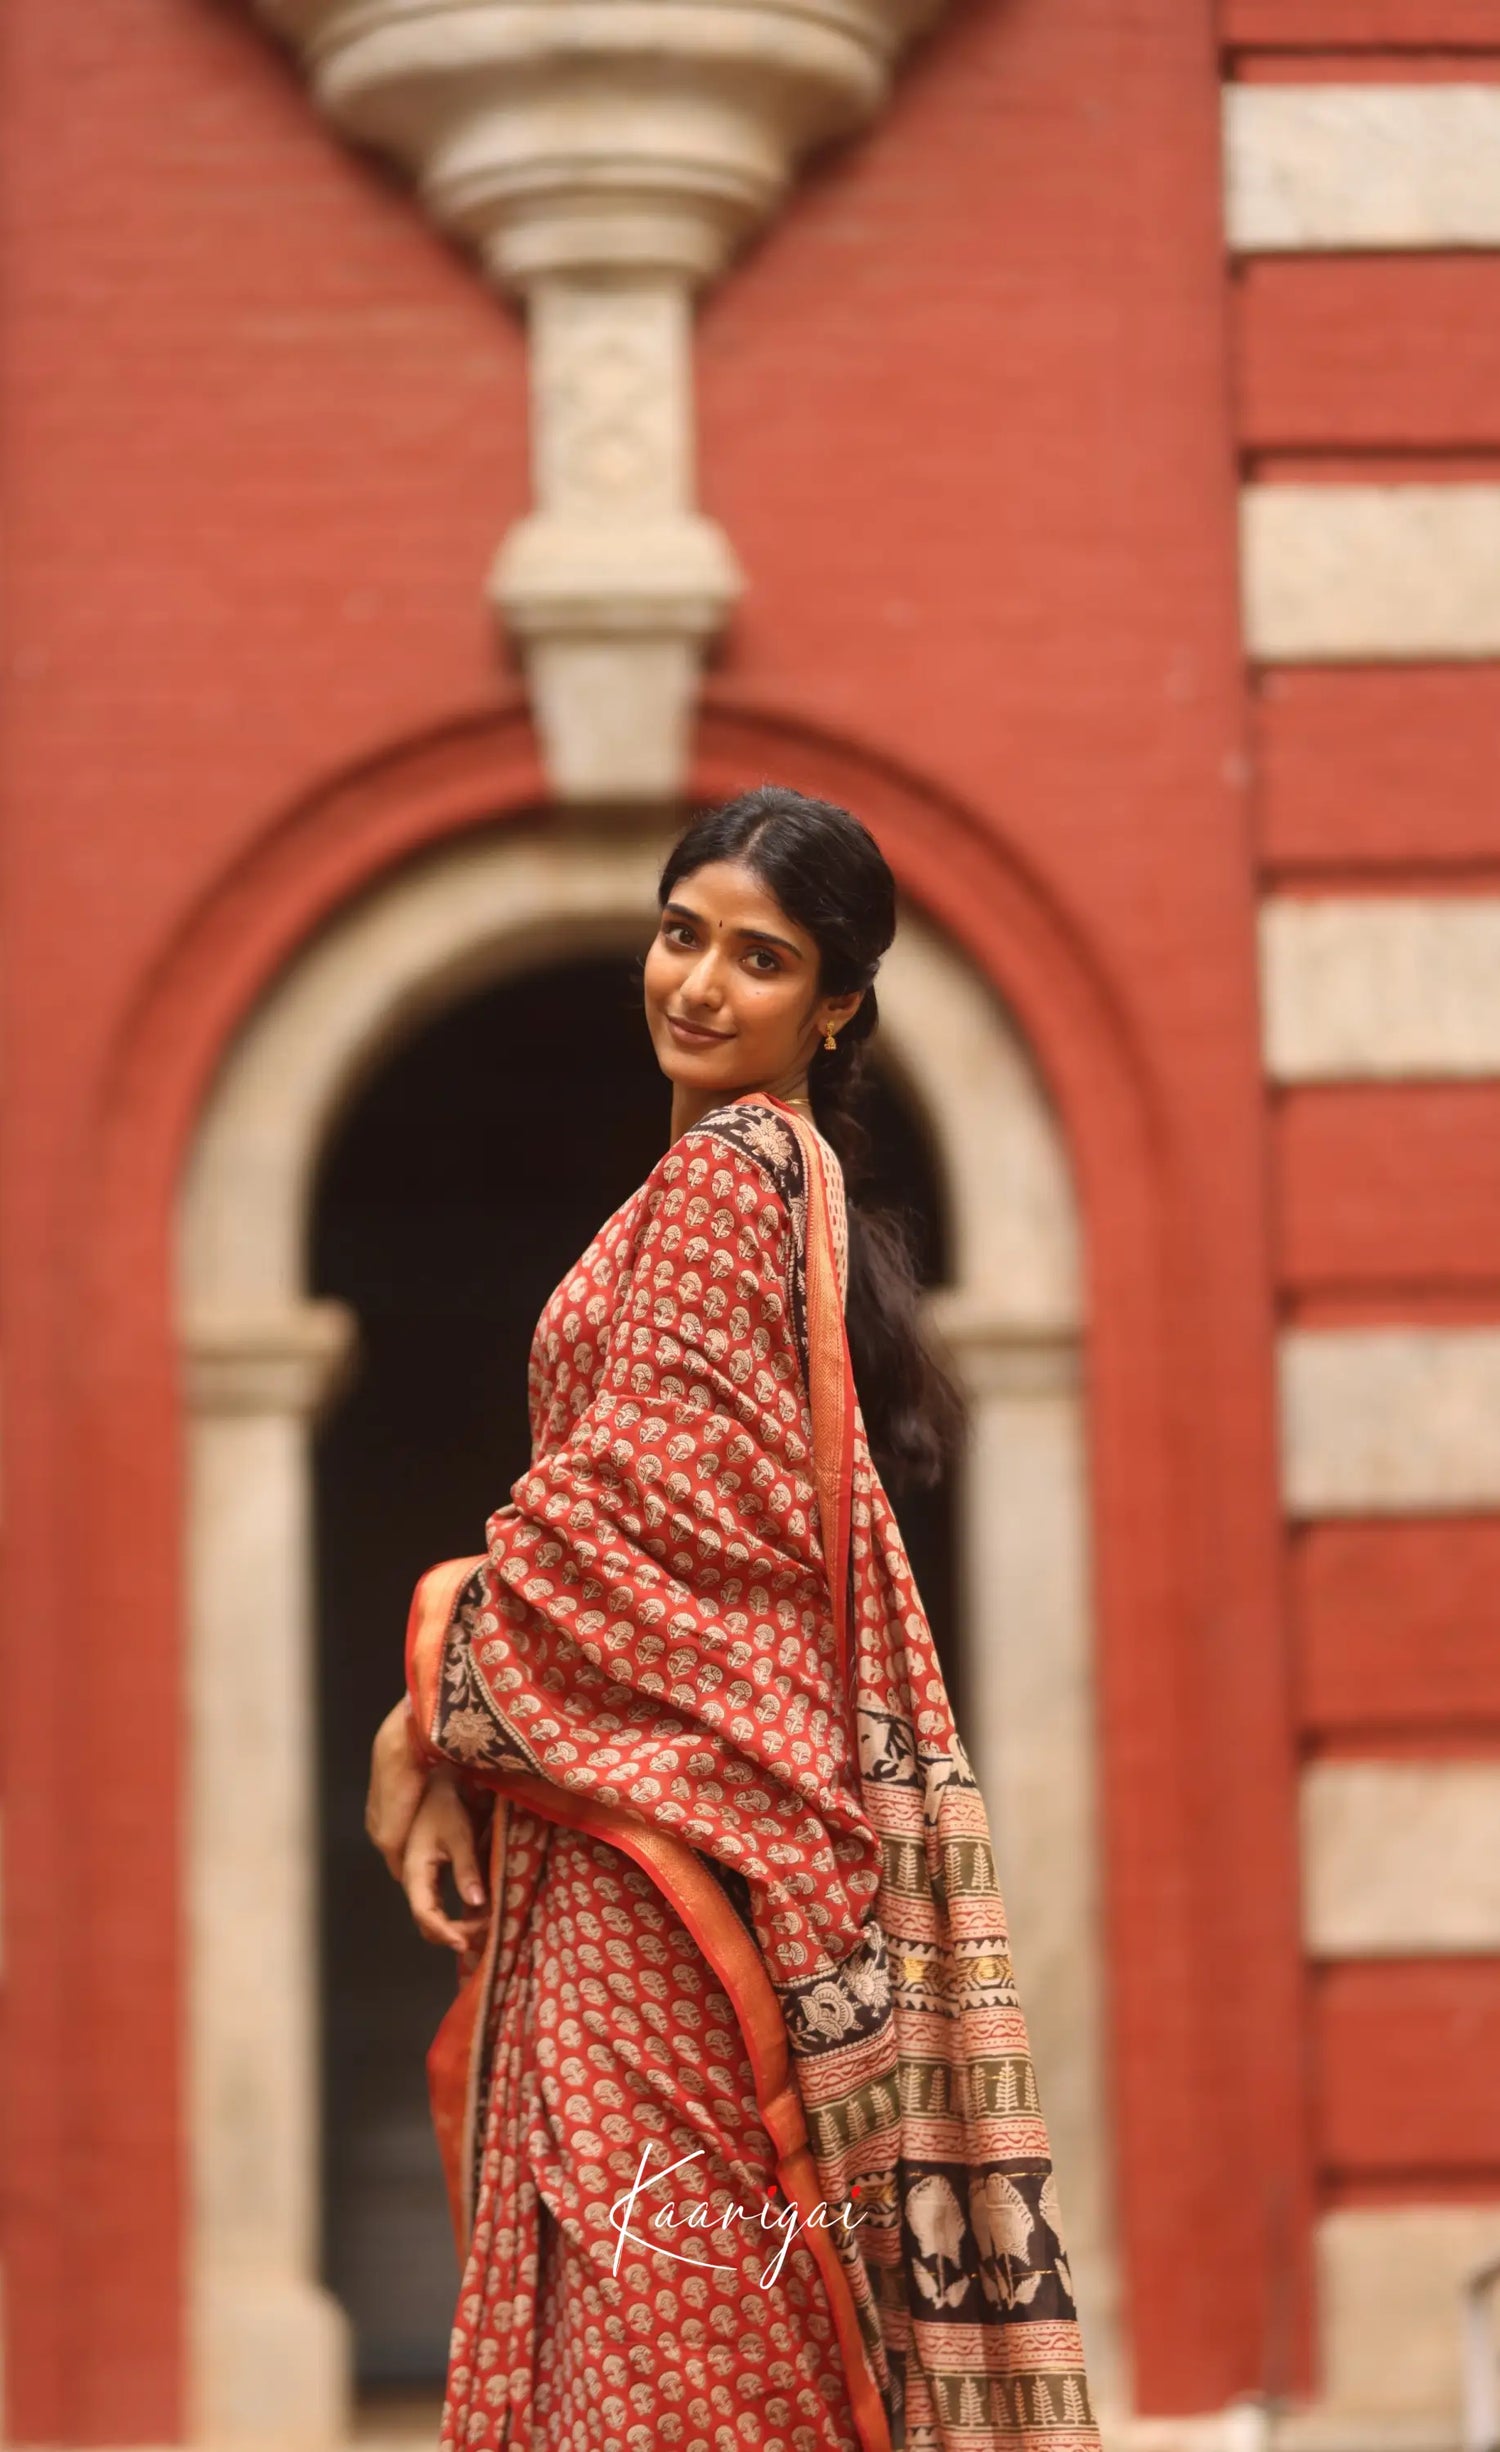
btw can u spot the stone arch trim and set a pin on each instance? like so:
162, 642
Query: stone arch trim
259, 1356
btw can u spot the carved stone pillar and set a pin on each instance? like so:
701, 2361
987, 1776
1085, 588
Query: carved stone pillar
605, 158
614, 582
1024, 1568
271, 2346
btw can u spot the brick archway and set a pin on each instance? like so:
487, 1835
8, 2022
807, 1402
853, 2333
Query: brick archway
1203, 2055
257, 1356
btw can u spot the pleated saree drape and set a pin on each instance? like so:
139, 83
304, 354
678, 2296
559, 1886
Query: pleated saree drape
694, 1635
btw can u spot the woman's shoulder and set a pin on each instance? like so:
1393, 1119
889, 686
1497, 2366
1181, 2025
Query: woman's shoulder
753, 1138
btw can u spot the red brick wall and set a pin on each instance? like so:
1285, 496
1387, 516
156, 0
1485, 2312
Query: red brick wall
1386, 1197
966, 415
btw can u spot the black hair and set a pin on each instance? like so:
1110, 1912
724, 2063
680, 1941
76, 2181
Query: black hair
828, 873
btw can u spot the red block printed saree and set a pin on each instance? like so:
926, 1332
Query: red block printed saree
745, 1930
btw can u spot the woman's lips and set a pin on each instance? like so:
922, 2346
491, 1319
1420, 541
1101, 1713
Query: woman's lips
696, 1038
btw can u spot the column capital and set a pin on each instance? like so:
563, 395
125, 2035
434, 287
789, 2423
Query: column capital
996, 1353
273, 1358
604, 159
599, 136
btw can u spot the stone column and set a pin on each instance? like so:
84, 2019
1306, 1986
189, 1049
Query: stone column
614, 583
604, 163
271, 2349
1027, 1627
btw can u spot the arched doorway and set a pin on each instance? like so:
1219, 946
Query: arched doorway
453, 1191
273, 2352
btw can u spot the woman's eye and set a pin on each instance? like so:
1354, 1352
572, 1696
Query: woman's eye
678, 932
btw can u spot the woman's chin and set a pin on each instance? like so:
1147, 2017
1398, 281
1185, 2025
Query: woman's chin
699, 1066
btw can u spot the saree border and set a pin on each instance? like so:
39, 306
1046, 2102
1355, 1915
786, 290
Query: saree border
427, 1624
830, 1390
455, 2060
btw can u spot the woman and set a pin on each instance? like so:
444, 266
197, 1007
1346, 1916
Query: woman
735, 2100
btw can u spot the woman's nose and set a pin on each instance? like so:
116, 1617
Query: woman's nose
703, 984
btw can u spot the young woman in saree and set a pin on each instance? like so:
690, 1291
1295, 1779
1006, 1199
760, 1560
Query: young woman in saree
735, 2102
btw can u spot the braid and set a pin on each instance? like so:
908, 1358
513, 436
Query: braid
828, 873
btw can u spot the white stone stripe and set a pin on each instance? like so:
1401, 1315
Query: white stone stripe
1400, 1858
1380, 988
1351, 166
1390, 2289
1389, 1421
1367, 573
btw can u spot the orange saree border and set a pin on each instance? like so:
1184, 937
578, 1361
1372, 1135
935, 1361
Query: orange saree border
427, 1623
453, 2058
830, 1384
684, 1881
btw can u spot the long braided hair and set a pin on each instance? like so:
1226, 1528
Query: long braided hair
828, 874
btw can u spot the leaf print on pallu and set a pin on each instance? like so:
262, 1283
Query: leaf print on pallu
1051, 2213
887, 1748
1003, 2226
935, 2219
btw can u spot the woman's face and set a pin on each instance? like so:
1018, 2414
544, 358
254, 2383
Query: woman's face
726, 957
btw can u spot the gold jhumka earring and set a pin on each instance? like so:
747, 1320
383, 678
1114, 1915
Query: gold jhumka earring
828, 1038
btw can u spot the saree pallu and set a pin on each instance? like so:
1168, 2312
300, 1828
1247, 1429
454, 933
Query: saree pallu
694, 1634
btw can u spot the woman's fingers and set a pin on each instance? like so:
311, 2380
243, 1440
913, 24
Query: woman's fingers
422, 1883
443, 1834
463, 1856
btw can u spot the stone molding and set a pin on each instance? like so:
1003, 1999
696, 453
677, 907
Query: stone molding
604, 159
1361, 166
1340, 574
1401, 1859
997, 1355
1390, 2293
595, 136
1382, 987
291, 1359
1386, 1421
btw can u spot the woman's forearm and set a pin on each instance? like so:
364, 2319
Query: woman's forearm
398, 1779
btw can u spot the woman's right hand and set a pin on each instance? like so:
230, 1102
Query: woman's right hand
443, 1834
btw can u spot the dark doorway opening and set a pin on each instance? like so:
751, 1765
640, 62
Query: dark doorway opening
456, 1190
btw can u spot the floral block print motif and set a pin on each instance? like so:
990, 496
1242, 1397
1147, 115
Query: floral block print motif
614, 2047
696, 1621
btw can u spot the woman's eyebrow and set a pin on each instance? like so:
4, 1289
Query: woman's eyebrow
762, 936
